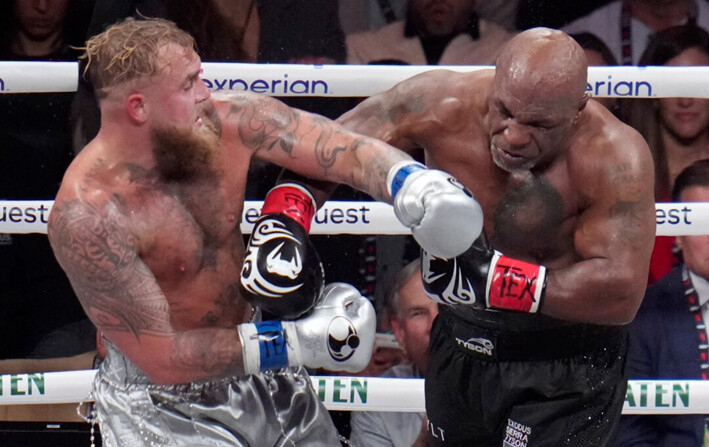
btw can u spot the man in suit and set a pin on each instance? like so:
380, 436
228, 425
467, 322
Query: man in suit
668, 339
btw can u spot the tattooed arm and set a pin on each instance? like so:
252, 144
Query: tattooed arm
613, 237
306, 143
122, 298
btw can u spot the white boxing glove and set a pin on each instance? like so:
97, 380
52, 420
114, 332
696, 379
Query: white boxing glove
444, 217
337, 335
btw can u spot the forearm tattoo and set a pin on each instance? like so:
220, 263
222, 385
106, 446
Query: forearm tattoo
262, 125
211, 350
100, 257
265, 124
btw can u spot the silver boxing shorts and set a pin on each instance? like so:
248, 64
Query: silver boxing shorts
278, 408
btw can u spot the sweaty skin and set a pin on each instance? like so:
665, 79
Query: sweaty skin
562, 182
146, 222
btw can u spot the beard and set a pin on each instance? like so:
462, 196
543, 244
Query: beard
184, 155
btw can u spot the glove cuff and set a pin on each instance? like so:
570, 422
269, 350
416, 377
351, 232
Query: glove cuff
515, 285
399, 172
267, 346
293, 200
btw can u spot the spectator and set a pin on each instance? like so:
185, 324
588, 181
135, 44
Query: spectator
433, 33
676, 129
371, 15
668, 336
412, 314
300, 31
41, 30
598, 54
637, 20
552, 13
36, 149
387, 350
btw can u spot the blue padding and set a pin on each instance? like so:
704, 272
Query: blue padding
272, 345
400, 177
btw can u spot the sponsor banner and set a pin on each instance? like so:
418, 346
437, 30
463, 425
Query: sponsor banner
27, 216
313, 80
38, 77
370, 393
360, 393
46, 388
682, 219
335, 217
360, 80
336, 392
366, 80
667, 397
340, 217
348, 217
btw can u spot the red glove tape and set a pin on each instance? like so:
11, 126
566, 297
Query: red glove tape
292, 200
514, 285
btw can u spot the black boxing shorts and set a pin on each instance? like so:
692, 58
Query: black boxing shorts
556, 387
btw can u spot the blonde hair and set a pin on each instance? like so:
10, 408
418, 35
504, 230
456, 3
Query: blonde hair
130, 50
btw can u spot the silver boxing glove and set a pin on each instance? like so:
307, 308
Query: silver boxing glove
444, 217
336, 335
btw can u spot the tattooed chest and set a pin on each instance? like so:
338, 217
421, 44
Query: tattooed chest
196, 263
180, 236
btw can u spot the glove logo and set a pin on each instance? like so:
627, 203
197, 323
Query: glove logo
273, 276
461, 186
275, 264
342, 339
444, 281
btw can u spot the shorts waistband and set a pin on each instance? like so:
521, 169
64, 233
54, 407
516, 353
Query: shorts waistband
548, 344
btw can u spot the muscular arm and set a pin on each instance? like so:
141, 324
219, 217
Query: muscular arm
122, 298
613, 240
396, 117
308, 144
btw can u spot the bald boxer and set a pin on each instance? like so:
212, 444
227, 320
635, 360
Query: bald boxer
146, 226
530, 345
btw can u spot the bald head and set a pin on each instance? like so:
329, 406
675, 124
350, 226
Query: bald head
544, 64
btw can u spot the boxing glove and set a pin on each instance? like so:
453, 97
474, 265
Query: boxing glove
337, 335
282, 273
484, 278
444, 217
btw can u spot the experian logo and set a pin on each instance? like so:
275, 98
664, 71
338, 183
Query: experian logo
275, 87
479, 345
637, 89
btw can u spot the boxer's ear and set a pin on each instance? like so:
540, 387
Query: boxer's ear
135, 107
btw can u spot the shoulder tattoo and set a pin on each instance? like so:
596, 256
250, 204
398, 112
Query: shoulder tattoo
100, 257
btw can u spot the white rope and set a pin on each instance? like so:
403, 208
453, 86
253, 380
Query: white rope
360, 80
343, 217
360, 393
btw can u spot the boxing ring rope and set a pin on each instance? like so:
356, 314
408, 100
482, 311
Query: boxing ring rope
342, 392
352, 217
360, 393
358, 80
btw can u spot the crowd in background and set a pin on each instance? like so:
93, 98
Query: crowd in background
42, 132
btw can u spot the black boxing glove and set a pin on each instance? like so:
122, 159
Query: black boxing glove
484, 278
282, 272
